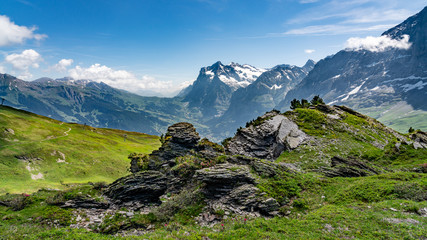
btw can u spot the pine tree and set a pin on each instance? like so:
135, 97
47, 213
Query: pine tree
305, 103
317, 100
295, 104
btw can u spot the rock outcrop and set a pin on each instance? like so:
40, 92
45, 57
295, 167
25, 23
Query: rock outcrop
145, 186
267, 137
227, 182
179, 140
341, 167
420, 139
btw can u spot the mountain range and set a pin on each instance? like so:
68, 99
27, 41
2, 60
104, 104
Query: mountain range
387, 84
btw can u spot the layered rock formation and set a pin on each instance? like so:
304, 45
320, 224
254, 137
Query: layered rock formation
268, 138
184, 163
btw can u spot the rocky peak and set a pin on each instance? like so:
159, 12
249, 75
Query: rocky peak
309, 65
182, 133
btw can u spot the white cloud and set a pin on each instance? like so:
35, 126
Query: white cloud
10, 33
24, 61
309, 51
62, 65
25, 75
122, 79
2, 69
377, 44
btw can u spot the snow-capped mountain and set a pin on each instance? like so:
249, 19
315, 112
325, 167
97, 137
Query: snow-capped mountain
212, 90
260, 96
376, 80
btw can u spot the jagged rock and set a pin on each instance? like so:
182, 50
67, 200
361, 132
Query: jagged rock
146, 187
341, 167
222, 178
182, 133
180, 139
269, 206
420, 139
245, 200
268, 139
261, 167
85, 203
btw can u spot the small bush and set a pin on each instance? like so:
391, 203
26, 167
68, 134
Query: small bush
206, 143
138, 162
225, 142
300, 204
411, 191
19, 202
187, 201
99, 185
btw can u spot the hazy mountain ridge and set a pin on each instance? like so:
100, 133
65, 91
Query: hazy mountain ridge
92, 103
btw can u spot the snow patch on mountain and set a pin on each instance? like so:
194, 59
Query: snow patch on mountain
247, 72
406, 78
419, 85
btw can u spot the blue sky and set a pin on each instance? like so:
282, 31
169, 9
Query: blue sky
159, 45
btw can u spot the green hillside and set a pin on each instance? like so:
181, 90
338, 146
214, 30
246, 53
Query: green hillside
352, 178
39, 152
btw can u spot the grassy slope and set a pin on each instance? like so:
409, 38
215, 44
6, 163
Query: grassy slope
384, 206
91, 154
350, 136
399, 116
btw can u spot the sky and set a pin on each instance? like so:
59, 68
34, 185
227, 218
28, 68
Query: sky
157, 47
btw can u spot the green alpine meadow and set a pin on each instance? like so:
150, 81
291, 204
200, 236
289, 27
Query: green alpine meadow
38, 152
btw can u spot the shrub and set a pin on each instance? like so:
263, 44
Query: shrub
411, 191
300, 204
225, 142
19, 202
188, 201
206, 143
138, 162
317, 100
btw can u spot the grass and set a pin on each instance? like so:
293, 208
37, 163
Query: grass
400, 116
337, 208
384, 206
63, 153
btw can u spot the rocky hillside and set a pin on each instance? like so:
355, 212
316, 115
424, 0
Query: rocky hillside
309, 169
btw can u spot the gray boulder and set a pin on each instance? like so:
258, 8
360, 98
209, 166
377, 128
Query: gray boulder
268, 138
